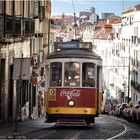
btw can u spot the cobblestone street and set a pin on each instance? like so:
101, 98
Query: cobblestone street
7, 130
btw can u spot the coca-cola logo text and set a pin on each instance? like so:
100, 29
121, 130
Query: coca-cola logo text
70, 93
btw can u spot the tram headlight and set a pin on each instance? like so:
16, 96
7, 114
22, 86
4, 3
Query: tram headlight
71, 103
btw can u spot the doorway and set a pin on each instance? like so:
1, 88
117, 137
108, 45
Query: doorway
10, 94
2, 87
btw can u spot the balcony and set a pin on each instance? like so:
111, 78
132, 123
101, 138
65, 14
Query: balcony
32, 27
17, 27
29, 27
135, 63
39, 10
11, 26
42, 13
135, 85
132, 83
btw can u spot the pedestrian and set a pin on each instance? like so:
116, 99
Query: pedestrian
108, 109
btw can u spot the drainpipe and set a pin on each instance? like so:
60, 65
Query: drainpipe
4, 11
49, 24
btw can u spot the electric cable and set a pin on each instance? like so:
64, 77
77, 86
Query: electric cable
74, 17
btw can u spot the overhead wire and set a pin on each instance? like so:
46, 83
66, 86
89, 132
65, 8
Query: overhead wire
74, 17
73, 6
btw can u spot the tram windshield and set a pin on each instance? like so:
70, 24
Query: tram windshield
72, 74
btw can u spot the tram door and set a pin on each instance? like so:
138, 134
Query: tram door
2, 86
99, 88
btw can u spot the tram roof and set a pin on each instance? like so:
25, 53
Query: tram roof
74, 53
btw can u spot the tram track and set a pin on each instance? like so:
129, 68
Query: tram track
61, 133
119, 134
78, 134
44, 135
106, 127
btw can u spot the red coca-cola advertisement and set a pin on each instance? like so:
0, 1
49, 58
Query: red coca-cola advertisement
82, 97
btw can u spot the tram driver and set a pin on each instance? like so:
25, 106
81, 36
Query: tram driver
72, 74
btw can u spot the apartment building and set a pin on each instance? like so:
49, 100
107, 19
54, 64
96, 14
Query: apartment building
103, 46
126, 53
23, 35
131, 35
106, 15
87, 12
124, 50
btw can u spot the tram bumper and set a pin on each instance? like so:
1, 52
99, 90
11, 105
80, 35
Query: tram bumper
51, 118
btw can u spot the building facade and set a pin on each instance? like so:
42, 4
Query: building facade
87, 12
131, 25
106, 15
122, 56
23, 35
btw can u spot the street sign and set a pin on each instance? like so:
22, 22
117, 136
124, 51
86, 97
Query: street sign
21, 69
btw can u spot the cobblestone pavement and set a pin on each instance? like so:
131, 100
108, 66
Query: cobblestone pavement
7, 130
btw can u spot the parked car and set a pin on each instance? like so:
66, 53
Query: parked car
116, 111
136, 112
119, 111
113, 109
128, 112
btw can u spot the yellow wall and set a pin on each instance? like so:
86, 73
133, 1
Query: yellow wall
8, 7
17, 8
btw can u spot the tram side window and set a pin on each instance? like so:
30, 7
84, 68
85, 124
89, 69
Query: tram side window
72, 74
56, 74
88, 75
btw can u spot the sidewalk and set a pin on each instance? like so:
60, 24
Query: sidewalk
7, 130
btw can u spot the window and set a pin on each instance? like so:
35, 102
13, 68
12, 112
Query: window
88, 75
72, 74
12, 4
21, 8
56, 74
138, 40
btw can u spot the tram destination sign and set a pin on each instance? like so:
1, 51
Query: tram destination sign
72, 45
66, 45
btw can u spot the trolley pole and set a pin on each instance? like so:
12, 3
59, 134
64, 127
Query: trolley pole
75, 25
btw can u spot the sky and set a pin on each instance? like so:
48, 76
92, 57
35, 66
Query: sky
68, 7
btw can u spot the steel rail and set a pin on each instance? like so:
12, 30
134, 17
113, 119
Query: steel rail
120, 134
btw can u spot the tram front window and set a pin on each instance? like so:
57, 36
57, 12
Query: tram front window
72, 74
56, 74
88, 75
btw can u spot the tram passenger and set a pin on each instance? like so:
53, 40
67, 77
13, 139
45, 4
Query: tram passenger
108, 108
91, 82
91, 77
